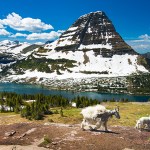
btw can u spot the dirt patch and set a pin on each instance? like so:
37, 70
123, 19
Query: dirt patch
66, 137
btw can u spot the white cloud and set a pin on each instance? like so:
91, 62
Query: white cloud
39, 43
16, 22
145, 37
43, 36
141, 45
1, 26
61, 31
18, 35
4, 32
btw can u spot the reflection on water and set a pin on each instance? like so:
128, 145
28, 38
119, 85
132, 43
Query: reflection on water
33, 89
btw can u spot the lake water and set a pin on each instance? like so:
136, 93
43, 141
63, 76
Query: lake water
33, 89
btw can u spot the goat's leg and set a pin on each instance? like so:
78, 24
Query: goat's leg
145, 126
89, 125
98, 125
140, 126
83, 124
86, 123
136, 126
148, 125
105, 125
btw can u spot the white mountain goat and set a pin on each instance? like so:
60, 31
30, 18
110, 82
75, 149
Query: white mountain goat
142, 123
97, 115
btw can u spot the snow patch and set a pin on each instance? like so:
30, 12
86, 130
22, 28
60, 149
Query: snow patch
65, 41
68, 34
95, 46
72, 28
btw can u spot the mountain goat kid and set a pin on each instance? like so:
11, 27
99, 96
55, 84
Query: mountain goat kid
142, 123
97, 115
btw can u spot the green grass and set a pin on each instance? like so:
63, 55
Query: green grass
70, 116
129, 112
42, 64
46, 141
10, 118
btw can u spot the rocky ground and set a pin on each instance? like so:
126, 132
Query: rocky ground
30, 136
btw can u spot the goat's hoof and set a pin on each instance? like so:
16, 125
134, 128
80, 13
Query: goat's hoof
92, 129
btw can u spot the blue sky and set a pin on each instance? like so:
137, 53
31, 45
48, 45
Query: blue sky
41, 20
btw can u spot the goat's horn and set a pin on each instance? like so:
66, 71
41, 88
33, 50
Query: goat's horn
118, 108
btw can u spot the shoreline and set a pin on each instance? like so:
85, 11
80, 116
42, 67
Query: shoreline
76, 91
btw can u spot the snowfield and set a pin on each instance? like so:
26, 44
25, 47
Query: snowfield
13, 48
18, 49
118, 65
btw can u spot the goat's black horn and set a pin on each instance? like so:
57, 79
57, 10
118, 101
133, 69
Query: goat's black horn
118, 108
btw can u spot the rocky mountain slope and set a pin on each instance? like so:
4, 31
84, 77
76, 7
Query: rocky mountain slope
13, 51
90, 48
95, 32
13, 48
146, 55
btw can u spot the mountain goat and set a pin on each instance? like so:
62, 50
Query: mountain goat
142, 123
97, 115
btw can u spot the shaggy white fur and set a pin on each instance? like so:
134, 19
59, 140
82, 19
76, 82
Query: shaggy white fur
143, 122
97, 115
92, 112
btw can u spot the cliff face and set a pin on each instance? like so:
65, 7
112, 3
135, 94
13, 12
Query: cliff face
96, 32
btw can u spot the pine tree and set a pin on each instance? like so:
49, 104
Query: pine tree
61, 112
2, 105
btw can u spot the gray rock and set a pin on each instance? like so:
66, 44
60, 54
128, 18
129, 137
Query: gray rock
11, 133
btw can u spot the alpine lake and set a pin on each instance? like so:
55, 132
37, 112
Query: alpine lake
36, 89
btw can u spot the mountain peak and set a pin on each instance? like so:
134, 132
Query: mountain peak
93, 31
91, 13
9, 42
